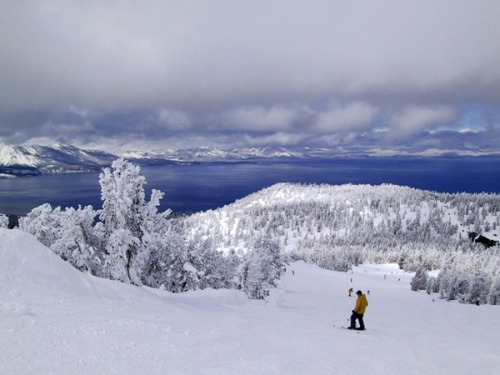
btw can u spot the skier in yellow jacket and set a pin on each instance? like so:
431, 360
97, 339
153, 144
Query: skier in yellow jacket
358, 312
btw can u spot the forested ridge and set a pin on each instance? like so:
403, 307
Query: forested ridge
246, 244
338, 226
381, 219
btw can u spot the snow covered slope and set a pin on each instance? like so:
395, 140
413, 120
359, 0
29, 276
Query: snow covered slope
56, 320
33, 160
304, 218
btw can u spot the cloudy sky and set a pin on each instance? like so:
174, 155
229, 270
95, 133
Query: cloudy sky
393, 74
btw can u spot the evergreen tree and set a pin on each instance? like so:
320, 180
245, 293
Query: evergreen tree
168, 267
4, 221
494, 293
129, 221
80, 242
43, 223
69, 233
479, 288
262, 267
419, 281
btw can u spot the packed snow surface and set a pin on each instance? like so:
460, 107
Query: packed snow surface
56, 320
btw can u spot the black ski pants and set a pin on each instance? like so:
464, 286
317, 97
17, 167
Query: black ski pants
359, 317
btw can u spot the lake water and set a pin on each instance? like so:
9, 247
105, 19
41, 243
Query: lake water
208, 186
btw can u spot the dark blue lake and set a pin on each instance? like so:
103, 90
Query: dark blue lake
208, 186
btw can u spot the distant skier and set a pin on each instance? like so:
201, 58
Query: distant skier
351, 291
359, 311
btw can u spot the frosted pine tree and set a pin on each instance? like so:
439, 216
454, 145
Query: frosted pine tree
168, 268
79, 242
4, 221
213, 270
420, 280
479, 288
43, 223
494, 294
252, 277
229, 267
69, 233
262, 267
131, 224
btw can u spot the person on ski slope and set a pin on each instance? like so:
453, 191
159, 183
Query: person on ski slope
359, 311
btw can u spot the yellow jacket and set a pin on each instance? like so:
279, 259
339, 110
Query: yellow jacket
361, 304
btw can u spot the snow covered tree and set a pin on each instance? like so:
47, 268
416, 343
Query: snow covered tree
179, 266
208, 263
43, 223
157, 270
130, 222
419, 281
168, 268
229, 268
432, 285
455, 285
78, 241
479, 288
262, 267
69, 233
494, 294
4, 221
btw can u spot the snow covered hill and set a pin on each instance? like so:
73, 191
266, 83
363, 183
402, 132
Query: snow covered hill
35, 159
305, 218
56, 320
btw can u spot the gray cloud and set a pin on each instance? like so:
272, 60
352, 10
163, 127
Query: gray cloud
260, 119
355, 116
129, 73
412, 119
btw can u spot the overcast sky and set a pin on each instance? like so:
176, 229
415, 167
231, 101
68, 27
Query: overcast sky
391, 74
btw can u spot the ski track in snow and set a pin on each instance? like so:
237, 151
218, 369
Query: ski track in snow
56, 320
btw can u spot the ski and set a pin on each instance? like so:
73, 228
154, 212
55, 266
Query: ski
347, 329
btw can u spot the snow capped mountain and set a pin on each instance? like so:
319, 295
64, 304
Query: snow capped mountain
17, 155
36, 159
216, 154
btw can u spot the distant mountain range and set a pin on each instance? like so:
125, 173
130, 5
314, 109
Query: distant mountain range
34, 160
